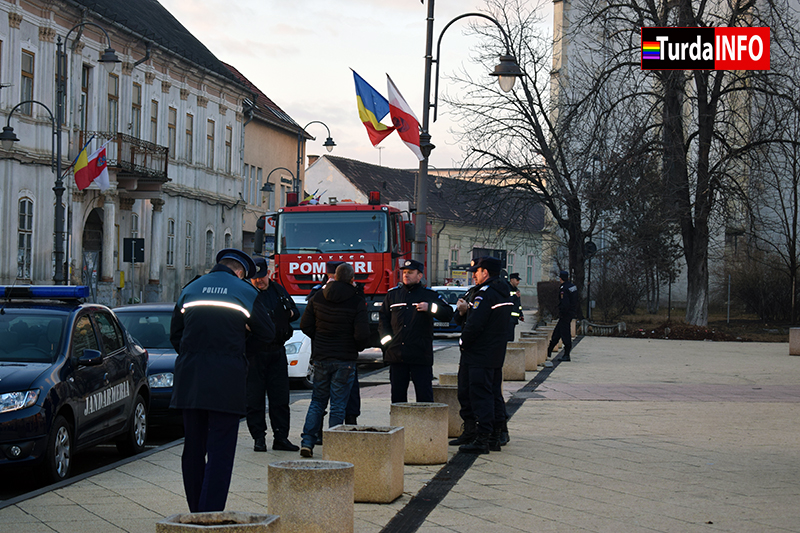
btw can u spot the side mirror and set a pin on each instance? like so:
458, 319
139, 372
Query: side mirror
410, 231
91, 358
258, 245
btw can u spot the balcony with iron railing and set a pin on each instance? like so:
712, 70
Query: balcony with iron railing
141, 166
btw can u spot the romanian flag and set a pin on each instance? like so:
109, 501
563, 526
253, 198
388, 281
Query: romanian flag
372, 107
89, 168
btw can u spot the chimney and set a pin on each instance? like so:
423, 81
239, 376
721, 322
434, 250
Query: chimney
312, 159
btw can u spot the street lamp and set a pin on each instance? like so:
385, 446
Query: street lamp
507, 71
267, 187
328, 144
109, 59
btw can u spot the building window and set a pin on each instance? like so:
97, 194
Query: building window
86, 76
259, 194
246, 183
136, 111
172, 124
26, 84
510, 263
227, 240
187, 258
210, 144
209, 248
189, 138
134, 225
252, 184
25, 239
529, 270
171, 243
154, 122
228, 148
454, 257
113, 103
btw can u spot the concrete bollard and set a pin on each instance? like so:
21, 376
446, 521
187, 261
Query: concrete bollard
425, 431
573, 328
229, 521
448, 394
376, 453
794, 341
531, 348
448, 378
514, 365
311, 496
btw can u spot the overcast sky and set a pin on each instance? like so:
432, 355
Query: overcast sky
300, 52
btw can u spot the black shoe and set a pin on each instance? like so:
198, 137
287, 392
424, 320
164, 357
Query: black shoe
504, 438
494, 442
565, 358
351, 420
469, 431
282, 443
260, 445
480, 445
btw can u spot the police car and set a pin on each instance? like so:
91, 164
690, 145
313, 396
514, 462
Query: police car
70, 378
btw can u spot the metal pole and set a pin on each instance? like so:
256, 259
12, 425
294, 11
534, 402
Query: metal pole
296, 180
589, 292
421, 238
58, 250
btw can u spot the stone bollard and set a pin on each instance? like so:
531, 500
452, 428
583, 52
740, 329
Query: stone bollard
794, 341
228, 521
543, 341
377, 456
425, 431
531, 348
449, 394
448, 378
311, 496
573, 328
514, 365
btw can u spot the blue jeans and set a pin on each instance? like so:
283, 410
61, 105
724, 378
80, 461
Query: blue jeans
332, 380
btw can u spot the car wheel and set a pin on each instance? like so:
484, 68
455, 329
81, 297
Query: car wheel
58, 455
132, 442
307, 381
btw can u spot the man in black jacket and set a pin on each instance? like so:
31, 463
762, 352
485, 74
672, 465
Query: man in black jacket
336, 321
567, 310
486, 314
267, 371
208, 330
516, 311
406, 333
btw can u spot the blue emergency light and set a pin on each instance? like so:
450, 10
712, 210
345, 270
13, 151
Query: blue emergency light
49, 292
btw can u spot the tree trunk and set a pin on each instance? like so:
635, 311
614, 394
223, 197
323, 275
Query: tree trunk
697, 276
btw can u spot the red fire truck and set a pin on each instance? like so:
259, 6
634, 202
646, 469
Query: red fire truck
375, 238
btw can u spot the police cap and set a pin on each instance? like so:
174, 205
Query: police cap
239, 256
514, 275
262, 266
491, 264
564, 275
411, 264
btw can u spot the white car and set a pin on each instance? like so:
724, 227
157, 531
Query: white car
450, 294
298, 349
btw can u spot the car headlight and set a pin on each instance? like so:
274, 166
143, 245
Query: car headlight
292, 347
160, 381
374, 316
12, 401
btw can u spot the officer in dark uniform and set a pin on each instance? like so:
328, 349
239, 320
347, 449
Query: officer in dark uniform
567, 310
267, 372
406, 333
209, 329
486, 314
516, 311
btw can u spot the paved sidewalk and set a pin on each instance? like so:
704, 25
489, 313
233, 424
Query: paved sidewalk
632, 435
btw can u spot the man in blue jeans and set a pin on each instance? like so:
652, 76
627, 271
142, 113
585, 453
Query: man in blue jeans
336, 321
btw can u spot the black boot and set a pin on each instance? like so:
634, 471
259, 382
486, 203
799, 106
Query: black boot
479, 445
469, 429
351, 420
504, 438
494, 440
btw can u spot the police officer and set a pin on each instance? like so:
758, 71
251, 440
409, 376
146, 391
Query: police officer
406, 332
567, 310
486, 314
267, 372
208, 330
516, 311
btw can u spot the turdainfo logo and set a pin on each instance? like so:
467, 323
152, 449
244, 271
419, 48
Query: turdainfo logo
705, 48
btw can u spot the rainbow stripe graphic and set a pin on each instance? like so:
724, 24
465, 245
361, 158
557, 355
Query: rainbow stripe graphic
651, 50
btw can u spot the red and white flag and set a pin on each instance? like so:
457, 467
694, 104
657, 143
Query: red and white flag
403, 118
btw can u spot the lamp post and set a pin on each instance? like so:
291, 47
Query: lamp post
109, 59
507, 71
328, 144
267, 187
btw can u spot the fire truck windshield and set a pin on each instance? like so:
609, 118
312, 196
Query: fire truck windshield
333, 231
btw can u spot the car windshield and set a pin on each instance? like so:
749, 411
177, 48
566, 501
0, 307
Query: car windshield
150, 328
338, 231
451, 296
30, 338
